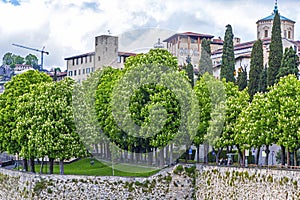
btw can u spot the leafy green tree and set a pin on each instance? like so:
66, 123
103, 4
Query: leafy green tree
289, 63
32, 60
108, 78
8, 59
14, 89
18, 59
46, 123
205, 64
256, 68
241, 80
210, 95
285, 98
228, 61
276, 50
84, 102
236, 102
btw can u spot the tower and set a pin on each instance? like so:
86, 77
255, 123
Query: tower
264, 26
106, 51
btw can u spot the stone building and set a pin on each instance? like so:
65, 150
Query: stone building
242, 51
106, 54
187, 44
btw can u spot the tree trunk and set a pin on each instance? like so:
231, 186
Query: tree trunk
32, 165
25, 165
282, 155
108, 151
171, 153
125, 155
288, 157
51, 163
42, 165
257, 156
295, 157
198, 154
218, 155
101, 150
161, 153
241, 156
150, 157
61, 167
267, 155
167, 154
186, 153
206, 149
96, 149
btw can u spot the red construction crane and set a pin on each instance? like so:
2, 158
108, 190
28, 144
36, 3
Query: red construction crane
42, 52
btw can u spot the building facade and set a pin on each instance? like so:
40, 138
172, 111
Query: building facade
188, 44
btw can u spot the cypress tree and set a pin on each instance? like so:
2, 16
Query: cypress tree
289, 63
228, 62
205, 64
190, 71
276, 50
263, 81
256, 68
242, 79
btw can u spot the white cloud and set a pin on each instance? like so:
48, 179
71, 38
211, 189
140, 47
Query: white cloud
68, 27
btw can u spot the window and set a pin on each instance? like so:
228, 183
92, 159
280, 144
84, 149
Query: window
289, 34
73, 61
74, 72
284, 34
119, 59
92, 69
266, 33
90, 58
86, 59
79, 72
83, 71
99, 58
87, 70
70, 73
81, 60
76, 61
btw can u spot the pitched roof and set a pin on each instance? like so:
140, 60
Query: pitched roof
243, 45
191, 34
271, 17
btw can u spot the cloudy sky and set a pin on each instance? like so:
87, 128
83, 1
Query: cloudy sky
68, 27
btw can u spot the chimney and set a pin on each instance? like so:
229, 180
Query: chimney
236, 41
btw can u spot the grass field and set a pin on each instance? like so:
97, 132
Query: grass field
84, 167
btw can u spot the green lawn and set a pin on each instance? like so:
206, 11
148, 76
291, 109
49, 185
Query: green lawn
83, 167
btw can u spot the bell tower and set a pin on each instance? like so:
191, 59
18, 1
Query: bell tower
264, 26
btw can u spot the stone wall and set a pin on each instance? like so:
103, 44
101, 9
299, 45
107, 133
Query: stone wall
180, 182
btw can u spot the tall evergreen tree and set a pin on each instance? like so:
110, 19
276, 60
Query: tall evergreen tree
205, 64
289, 63
276, 50
256, 68
227, 67
190, 71
242, 79
263, 81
